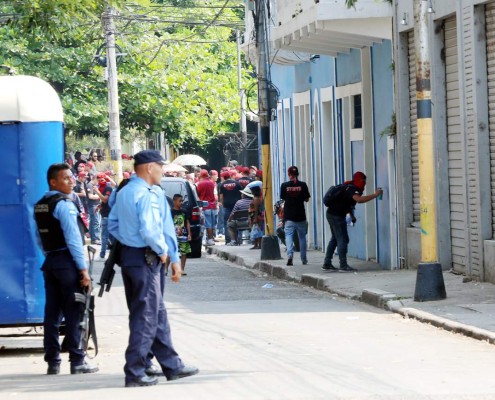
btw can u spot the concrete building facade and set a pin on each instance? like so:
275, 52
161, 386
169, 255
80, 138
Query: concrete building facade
333, 68
462, 40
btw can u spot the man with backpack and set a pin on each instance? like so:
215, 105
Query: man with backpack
340, 200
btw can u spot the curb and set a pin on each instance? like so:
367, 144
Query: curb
374, 297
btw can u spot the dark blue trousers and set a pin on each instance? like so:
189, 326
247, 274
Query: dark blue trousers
339, 240
226, 214
148, 322
61, 282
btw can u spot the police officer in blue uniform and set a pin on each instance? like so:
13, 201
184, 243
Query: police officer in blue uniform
60, 230
141, 220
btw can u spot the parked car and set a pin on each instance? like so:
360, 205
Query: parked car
192, 205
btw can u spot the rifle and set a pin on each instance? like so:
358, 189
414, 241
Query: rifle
108, 273
87, 300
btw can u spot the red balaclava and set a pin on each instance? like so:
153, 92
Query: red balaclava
102, 182
358, 180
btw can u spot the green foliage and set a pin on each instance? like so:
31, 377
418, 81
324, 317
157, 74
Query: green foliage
390, 130
176, 78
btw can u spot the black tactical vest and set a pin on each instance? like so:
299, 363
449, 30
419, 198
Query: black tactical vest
49, 228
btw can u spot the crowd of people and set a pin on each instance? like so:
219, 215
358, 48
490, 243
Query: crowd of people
236, 191
92, 191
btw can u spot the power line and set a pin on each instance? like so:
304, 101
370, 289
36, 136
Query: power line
194, 34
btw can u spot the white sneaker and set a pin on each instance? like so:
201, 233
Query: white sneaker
210, 242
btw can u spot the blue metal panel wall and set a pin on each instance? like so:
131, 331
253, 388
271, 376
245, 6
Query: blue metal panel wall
32, 148
383, 95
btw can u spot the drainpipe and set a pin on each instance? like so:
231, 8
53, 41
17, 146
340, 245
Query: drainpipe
429, 280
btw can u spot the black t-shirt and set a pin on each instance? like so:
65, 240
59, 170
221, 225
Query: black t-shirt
79, 188
294, 193
105, 208
89, 190
244, 181
180, 222
230, 190
346, 201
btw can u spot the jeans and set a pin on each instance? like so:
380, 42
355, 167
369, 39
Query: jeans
94, 223
339, 240
105, 236
226, 214
301, 228
210, 218
221, 223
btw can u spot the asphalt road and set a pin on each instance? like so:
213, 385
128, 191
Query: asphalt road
250, 342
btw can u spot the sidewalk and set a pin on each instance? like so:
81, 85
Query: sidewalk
469, 308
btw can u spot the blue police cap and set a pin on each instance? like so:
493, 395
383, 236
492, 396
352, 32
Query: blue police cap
148, 156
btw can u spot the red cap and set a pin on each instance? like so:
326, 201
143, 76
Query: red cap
225, 174
239, 168
203, 173
259, 173
82, 174
246, 170
293, 171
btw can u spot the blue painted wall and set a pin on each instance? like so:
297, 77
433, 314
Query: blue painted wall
383, 98
349, 68
357, 235
319, 74
283, 79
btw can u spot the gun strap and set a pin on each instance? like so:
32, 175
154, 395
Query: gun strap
92, 328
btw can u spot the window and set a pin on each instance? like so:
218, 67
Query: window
357, 120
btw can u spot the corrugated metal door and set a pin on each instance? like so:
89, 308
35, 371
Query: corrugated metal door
490, 55
414, 126
457, 180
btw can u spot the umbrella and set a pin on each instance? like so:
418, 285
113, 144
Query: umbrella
173, 168
189, 159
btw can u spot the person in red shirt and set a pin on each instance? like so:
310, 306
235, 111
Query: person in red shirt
206, 192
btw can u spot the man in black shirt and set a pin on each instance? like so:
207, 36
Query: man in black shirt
228, 193
342, 205
104, 192
295, 193
244, 180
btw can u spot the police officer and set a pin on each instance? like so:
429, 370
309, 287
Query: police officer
64, 269
141, 220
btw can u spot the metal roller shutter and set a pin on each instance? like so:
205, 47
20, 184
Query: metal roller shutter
490, 55
414, 126
457, 180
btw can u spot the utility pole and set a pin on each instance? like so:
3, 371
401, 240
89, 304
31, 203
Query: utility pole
242, 123
113, 93
270, 249
429, 281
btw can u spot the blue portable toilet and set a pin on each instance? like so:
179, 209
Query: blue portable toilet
31, 139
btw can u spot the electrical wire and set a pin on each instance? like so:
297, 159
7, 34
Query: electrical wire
194, 34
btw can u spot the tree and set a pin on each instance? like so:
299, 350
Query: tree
178, 77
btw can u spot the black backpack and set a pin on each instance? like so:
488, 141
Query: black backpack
334, 195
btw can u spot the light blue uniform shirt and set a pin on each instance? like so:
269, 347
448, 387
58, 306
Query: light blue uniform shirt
141, 217
66, 212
